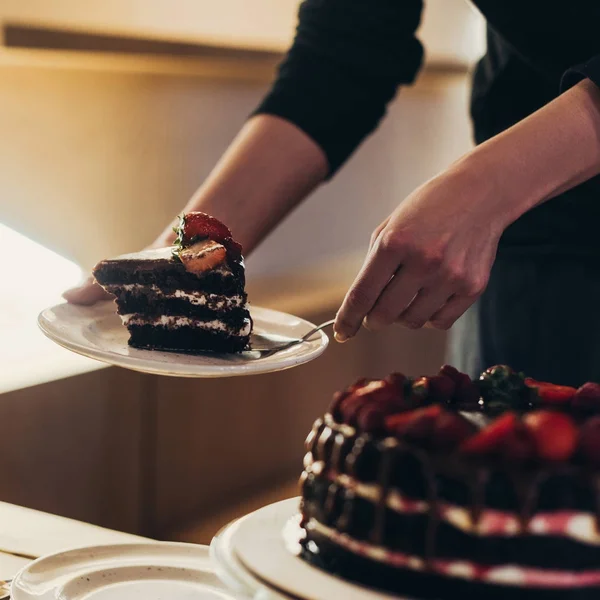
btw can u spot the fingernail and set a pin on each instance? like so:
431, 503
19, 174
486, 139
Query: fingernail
340, 337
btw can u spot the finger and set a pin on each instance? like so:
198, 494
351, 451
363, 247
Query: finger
396, 297
86, 294
451, 311
377, 232
426, 304
378, 269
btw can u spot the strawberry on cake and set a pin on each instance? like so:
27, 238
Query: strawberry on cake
188, 298
443, 487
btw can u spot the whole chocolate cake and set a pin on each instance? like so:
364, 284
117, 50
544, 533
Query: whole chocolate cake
443, 487
189, 298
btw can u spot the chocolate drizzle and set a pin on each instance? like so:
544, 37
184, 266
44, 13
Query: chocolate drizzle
383, 479
477, 487
595, 483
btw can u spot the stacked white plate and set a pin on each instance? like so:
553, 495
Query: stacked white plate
256, 556
145, 571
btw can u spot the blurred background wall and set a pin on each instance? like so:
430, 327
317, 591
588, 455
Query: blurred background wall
111, 114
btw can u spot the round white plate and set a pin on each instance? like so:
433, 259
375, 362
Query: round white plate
152, 571
262, 545
231, 571
97, 332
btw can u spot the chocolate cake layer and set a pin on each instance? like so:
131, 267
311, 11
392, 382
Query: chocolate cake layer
231, 310
411, 533
186, 339
159, 268
166, 307
322, 553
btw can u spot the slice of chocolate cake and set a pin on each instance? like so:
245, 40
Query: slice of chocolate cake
188, 298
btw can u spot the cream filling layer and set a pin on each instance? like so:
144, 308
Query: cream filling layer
578, 526
216, 301
175, 322
507, 574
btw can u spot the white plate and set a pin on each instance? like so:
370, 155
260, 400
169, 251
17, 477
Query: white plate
231, 571
97, 332
150, 571
260, 544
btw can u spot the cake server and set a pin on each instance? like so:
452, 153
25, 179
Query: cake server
267, 345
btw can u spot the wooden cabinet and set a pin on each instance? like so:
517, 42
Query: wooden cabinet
145, 454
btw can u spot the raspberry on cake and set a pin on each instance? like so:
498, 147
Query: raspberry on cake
188, 298
444, 487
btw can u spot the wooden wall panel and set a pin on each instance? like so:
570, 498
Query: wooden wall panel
72, 447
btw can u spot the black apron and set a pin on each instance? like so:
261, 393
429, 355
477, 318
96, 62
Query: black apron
540, 314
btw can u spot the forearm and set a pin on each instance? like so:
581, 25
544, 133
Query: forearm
268, 169
549, 152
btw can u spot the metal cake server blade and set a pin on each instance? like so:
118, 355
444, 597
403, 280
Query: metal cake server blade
269, 344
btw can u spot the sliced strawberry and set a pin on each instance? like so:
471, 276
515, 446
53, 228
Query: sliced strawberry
366, 393
589, 441
519, 445
339, 398
587, 397
380, 392
199, 225
350, 408
374, 389
550, 393
371, 418
234, 250
399, 382
441, 388
414, 424
555, 434
450, 371
359, 383
530, 382
450, 430
491, 439
336, 403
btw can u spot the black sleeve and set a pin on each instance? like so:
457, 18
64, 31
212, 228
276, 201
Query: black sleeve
587, 70
346, 62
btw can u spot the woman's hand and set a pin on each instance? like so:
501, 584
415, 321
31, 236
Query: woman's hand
432, 258
429, 261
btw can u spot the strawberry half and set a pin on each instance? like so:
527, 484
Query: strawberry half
589, 441
555, 434
199, 225
415, 424
491, 439
550, 393
587, 397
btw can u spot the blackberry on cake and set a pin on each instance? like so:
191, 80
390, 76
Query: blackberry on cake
446, 487
187, 298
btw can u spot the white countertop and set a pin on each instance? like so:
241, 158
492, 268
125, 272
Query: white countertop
26, 534
27, 357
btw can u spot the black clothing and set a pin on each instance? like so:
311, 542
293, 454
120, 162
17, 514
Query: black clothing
540, 315
539, 312
350, 56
